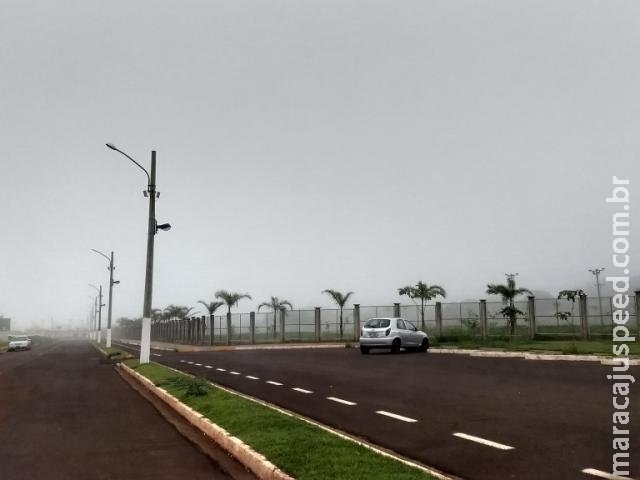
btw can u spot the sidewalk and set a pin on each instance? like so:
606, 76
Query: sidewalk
66, 413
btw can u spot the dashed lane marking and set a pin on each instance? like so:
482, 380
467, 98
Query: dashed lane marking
301, 390
271, 382
396, 416
601, 474
221, 369
250, 377
234, 373
483, 441
340, 400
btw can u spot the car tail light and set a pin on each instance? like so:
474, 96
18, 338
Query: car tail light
387, 332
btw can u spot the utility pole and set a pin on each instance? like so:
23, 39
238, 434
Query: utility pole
596, 272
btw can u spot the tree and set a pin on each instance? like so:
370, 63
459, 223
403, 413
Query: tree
177, 311
211, 306
340, 299
570, 295
424, 292
276, 305
231, 299
508, 293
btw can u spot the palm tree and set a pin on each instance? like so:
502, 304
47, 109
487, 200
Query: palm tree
340, 299
508, 293
177, 311
276, 305
231, 299
211, 306
424, 292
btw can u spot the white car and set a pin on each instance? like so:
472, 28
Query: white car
19, 342
392, 333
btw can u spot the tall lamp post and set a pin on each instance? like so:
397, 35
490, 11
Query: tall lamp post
596, 272
99, 309
153, 227
112, 282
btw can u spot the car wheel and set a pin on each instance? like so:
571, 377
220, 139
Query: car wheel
395, 346
364, 350
424, 346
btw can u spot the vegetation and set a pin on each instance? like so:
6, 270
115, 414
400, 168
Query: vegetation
341, 300
211, 306
508, 293
296, 447
424, 292
231, 299
276, 305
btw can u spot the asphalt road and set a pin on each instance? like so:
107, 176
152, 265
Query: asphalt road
66, 414
556, 416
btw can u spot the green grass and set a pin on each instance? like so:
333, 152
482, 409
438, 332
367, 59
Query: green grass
302, 450
565, 346
113, 352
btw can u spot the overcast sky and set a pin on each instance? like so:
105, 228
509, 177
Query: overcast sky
305, 145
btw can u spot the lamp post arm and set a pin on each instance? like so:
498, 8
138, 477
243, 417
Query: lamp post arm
113, 147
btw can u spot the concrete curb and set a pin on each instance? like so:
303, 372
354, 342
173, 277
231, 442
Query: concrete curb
252, 460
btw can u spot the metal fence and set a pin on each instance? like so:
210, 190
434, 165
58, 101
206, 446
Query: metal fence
539, 317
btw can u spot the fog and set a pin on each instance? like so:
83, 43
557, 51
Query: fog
352, 145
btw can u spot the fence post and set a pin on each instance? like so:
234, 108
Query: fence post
637, 293
396, 309
531, 312
483, 318
283, 312
584, 317
317, 322
252, 326
203, 333
211, 324
228, 328
439, 318
356, 321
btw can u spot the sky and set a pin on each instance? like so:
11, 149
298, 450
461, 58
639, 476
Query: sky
356, 145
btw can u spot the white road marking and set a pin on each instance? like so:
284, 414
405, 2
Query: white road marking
198, 364
601, 474
183, 361
483, 441
271, 382
208, 366
221, 369
396, 416
301, 390
156, 354
252, 378
340, 400
234, 373
190, 363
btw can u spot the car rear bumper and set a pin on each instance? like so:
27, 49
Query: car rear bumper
376, 342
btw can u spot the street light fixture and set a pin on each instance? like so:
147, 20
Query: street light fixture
597, 272
112, 282
145, 339
99, 309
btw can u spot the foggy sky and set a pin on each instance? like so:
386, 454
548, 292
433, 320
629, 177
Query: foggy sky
305, 145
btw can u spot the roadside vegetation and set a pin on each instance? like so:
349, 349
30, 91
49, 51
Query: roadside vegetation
113, 353
302, 450
579, 347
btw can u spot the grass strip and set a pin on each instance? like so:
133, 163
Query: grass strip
113, 353
602, 347
298, 448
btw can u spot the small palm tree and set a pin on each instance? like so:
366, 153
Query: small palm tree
276, 305
211, 306
177, 311
231, 299
424, 292
508, 293
340, 299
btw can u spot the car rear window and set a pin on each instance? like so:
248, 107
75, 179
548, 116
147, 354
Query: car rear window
19, 339
377, 323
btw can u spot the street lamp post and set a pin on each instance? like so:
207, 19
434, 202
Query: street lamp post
100, 305
596, 272
112, 282
145, 339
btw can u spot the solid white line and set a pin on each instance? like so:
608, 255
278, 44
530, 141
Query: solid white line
396, 416
301, 390
483, 441
234, 373
208, 366
339, 400
221, 369
274, 383
252, 378
601, 474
